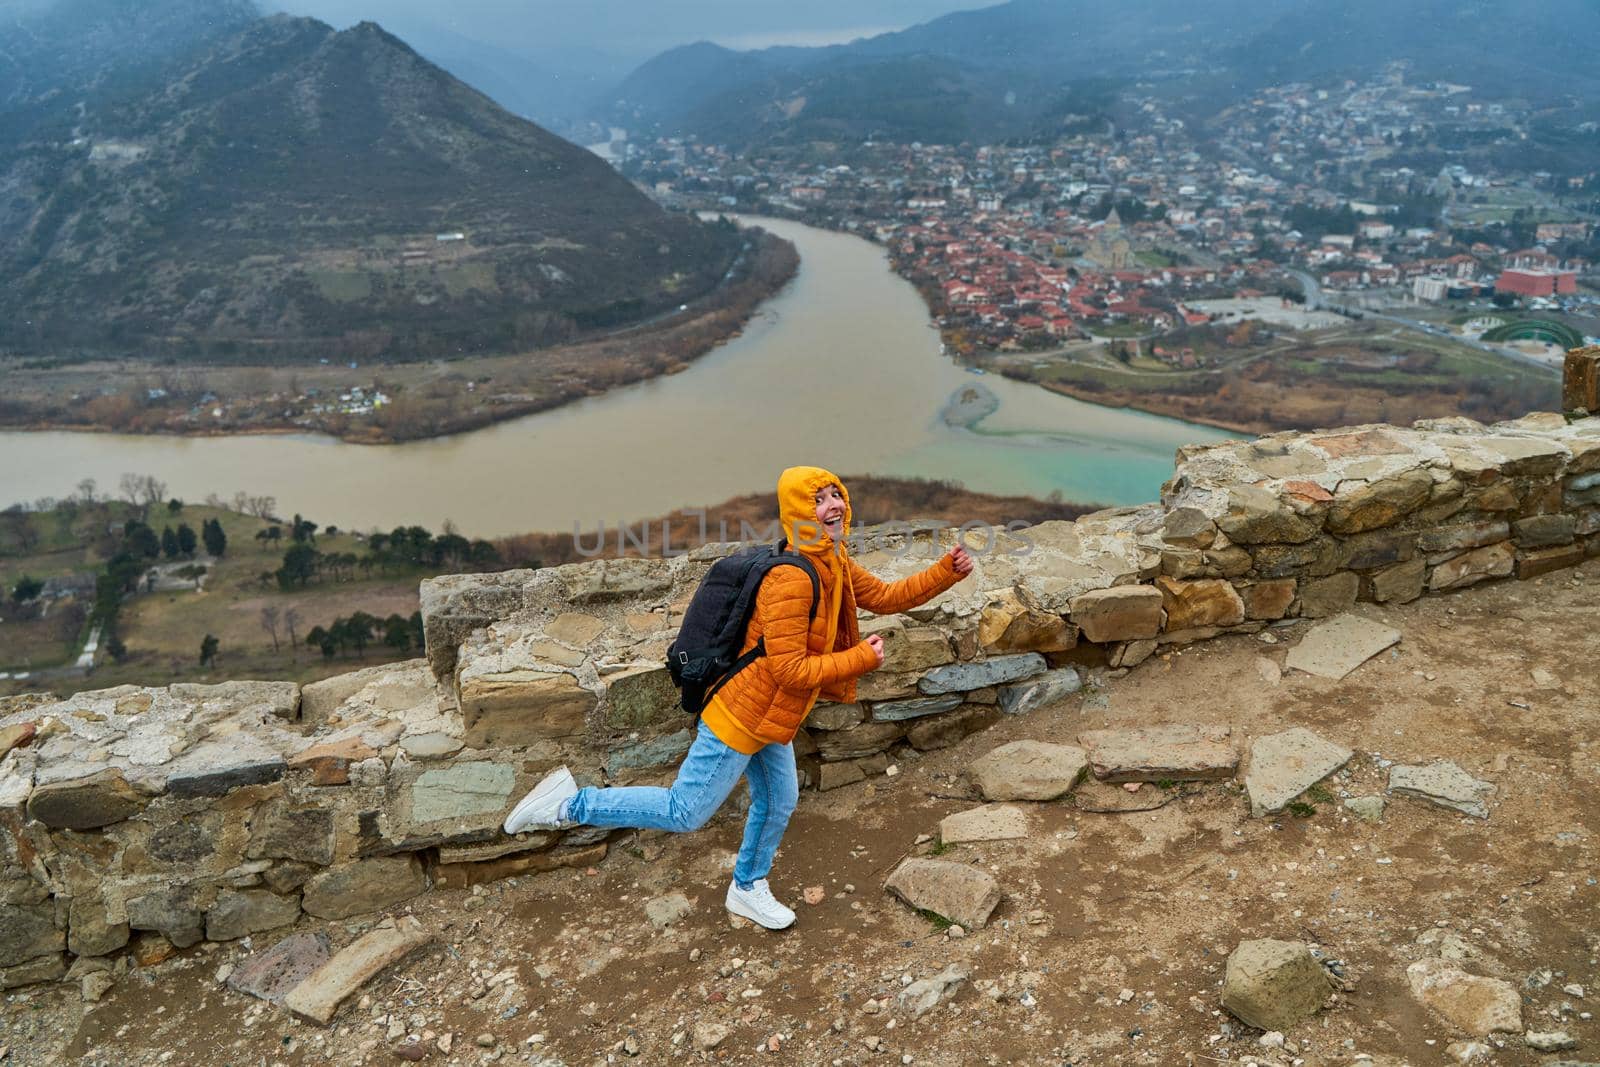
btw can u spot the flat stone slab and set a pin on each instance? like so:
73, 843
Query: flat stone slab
317, 998
272, 972
962, 677
1177, 752
1444, 784
1029, 770
1335, 647
1282, 766
958, 892
992, 822
1480, 1006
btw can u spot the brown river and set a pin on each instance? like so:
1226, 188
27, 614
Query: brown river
842, 369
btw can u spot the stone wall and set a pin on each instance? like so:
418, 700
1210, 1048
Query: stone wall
189, 812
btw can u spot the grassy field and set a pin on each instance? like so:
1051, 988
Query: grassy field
1363, 372
163, 630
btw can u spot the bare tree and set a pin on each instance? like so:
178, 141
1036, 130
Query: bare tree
152, 490
130, 485
269, 623
262, 507
86, 490
291, 622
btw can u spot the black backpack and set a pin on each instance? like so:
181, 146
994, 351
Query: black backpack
706, 650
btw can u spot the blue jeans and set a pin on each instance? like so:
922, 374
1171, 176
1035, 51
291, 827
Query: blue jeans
709, 772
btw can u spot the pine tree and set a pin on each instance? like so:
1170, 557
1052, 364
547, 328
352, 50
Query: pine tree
216, 541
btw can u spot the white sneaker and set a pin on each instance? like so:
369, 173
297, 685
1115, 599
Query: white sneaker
759, 905
540, 809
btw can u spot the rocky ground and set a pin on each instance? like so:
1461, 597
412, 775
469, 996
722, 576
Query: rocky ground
1110, 943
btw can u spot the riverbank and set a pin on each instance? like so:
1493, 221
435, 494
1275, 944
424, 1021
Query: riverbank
387, 403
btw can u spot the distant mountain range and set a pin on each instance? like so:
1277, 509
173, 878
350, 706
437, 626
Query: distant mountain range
1027, 67
271, 189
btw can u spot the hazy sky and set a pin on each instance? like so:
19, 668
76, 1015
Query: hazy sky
638, 28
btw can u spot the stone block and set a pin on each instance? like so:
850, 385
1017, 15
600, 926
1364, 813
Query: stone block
1228, 562
461, 791
1284, 765
956, 891
1029, 770
1267, 600
91, 929
642, 698
1121, 613
1470, 568
991, 822
175, 913
39, 969
462, 875
1480, 1006
1289, 561
1207, 602
304, 834
1013, 622
1580, 380
240, 913
329, 762
1258, 516
1544, 531
858, 741
959, 677
651, 752
915, 708
1364, 552
1176, 752
362, 886
1188, 528
216, 768
613, 579
88, 803
879, 685
281, 700
1544, 560
838, 775
1399, 584
1274, 985
829, 716
317, 998
1039, 691
272, 972
1376, 504
1329, 596
914, 648
521, 707
1445, 784
952, 727
574, 628
28, 931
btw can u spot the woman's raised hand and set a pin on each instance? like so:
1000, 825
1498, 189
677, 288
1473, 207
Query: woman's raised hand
875, 642
961, 560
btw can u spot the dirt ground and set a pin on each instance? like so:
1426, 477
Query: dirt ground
1110, 943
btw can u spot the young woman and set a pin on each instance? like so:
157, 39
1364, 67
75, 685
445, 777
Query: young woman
748, 726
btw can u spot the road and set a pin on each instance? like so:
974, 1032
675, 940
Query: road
1315, 300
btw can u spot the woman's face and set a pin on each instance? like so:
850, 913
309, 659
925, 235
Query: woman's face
830, 510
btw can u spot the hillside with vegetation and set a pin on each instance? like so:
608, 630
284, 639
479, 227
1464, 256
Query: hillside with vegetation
1031, 68
287, 193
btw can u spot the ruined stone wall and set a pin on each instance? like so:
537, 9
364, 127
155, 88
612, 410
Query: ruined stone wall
187, 812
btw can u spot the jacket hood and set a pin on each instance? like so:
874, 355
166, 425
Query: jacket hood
797, 508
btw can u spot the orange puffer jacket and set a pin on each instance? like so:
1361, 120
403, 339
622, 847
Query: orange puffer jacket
767, 701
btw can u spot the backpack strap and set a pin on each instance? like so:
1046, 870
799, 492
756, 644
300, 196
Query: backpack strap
759, 649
